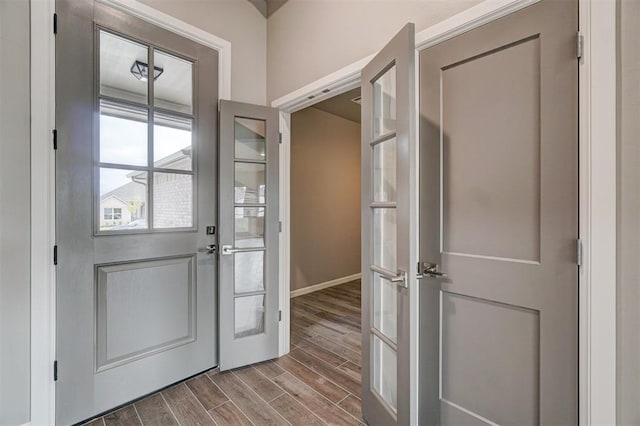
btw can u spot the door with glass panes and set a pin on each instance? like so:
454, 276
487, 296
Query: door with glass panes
249, 234
389, 234
136, 118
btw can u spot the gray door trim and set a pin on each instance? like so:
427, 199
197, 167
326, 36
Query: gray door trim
400, 51
251, 349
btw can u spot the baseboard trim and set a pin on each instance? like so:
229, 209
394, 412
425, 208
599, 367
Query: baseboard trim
326, 284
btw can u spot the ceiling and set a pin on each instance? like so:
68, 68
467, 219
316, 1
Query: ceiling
267, 7
173, 88
342, 105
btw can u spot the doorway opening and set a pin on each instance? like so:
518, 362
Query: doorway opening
325, 248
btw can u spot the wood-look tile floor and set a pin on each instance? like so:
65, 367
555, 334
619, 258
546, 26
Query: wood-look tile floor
317, 383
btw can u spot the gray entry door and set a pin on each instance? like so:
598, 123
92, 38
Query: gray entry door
135, 193
499, 136
249, 234
389, 234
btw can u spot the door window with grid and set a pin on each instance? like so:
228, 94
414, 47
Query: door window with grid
144, 156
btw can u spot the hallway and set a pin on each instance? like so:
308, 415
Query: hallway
317, 383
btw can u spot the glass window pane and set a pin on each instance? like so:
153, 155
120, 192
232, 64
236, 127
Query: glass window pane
384, 171
123, 200
173, 87
172, 147
385, 307
384, 103
123, 134
250, 183
119, 60
250, 139
249, 315
384, 238
172, 200
249, 227
248, 271
385, 372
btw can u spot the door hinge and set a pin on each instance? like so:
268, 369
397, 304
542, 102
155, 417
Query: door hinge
579, 254
55, 23
55, 255
55, 371
279, 137
279, 316
54, 132
579, 45
279, 226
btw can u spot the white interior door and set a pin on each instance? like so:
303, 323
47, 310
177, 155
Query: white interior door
249, 234
389, 234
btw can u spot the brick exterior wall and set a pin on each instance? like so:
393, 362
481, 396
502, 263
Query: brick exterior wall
173, 200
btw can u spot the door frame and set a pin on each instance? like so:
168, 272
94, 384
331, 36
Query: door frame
597, 182
42, 212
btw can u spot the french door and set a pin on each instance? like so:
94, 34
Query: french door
249, 234
389, 234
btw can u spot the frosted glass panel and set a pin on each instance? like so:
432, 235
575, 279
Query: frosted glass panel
384, 171
248, 270
119, 59
249, 227
385, 372
250, 139
250, 183
384, 103
172, 200
384, 238
173, 86
123, 134
249, 315
385, 307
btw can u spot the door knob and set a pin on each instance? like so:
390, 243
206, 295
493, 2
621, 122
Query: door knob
209, 249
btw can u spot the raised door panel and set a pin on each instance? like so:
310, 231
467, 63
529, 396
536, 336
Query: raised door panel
499, 104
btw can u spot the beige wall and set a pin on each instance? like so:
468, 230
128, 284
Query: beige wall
628, 324
238, 22
308, 39
325, 197
15, 290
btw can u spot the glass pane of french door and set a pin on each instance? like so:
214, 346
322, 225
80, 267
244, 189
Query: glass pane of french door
384, 211
389, 234
248, 234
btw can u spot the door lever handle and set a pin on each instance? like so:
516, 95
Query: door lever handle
430, 270
396, 279
400, 279
209, 249
228, 249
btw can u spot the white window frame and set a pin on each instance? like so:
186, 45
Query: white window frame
113, 213
597, 163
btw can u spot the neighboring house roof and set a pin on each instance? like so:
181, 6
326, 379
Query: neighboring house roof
133, 191
127, 193
113, 196
177, 160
